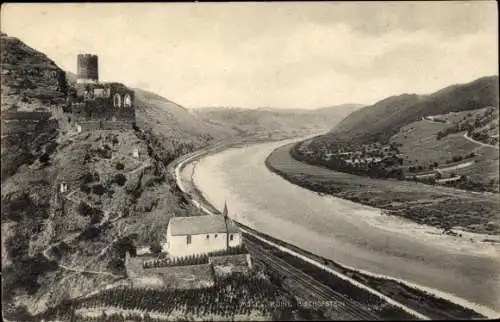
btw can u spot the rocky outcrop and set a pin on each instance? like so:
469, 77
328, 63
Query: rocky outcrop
31, 86
29, 78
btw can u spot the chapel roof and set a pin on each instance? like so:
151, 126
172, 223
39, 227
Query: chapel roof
196, 225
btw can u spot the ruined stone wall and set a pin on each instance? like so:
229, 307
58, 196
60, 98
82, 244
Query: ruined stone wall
109, 103
228, 264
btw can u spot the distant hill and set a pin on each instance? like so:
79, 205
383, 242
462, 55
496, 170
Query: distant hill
170, 120
378, 122
269, 119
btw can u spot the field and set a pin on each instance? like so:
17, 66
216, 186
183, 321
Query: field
233, 298
419, 144
425, 204
455, 117
420, 147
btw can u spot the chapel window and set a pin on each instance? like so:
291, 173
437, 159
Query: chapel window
117, 100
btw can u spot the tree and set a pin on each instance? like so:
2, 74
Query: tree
87, 177
155, 247
84, 209
44, 159
98, 189
120, 179
119, 166
85, 188
116, 265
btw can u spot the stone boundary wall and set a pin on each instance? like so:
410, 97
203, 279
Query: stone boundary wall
176, 277
104, 125
228, 264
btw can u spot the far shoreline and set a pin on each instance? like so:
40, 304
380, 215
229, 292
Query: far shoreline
460, 233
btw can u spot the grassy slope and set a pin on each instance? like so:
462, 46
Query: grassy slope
420, 146
170, 120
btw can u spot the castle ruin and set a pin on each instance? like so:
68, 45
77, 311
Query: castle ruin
99, 106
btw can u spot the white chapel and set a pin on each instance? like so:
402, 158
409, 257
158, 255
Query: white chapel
201, 234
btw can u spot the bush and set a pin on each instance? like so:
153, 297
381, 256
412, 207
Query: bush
155, 247
125, 244
119, 166
87, 178
120, 179
44, 159
89, 233
85, 188
87, 211
98, 189
84, 209
105, 152
116, 265
24, 274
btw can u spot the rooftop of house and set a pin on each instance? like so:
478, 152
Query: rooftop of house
196, 225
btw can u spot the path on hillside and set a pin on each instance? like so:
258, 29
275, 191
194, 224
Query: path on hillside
105, 220
480, 143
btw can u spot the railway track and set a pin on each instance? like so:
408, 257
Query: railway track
320, 292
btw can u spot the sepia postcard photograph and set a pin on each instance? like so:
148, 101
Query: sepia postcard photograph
250, 161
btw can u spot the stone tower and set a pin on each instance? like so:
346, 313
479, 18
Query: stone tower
88, 69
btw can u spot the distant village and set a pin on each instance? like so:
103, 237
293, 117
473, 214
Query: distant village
387, 161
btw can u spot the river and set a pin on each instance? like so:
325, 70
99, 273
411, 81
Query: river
348, 233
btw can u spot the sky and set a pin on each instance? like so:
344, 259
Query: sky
269, 54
